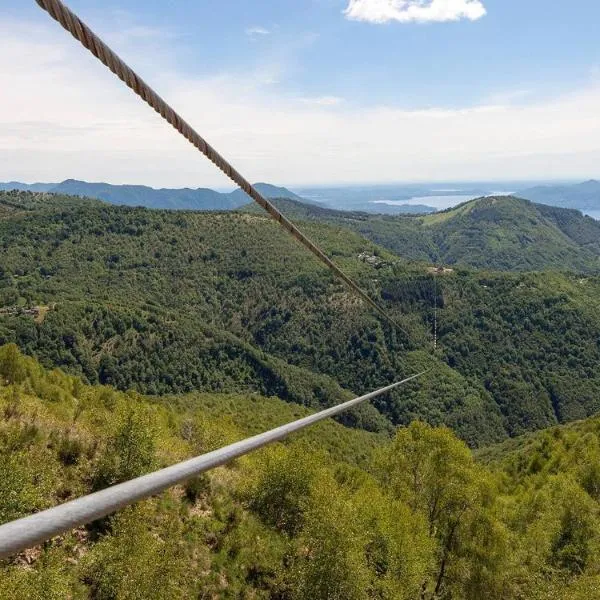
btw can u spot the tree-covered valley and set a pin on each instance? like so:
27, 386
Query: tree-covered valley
171, 302
178, 332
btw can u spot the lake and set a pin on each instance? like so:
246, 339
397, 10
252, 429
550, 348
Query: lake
438, 202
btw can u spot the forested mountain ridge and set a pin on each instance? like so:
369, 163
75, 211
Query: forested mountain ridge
165, 301
330, 513
502, 233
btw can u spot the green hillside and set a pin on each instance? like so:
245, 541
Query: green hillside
332, 513
503, 233
172, 302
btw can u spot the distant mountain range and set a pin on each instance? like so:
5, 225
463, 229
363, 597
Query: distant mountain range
385, 199
201, 198
141, 195
582, 196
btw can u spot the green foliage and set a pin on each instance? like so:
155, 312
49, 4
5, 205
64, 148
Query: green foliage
138, 321
11, 369
531, 339
418, 518
504, 233
228, 303
20, 489
281, 488
130, 451
49, 578
331, 562
438, 478
136, 563
27, 471
398, 550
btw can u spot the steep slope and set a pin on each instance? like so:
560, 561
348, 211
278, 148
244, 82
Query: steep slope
329, 513
512, 234
175, 301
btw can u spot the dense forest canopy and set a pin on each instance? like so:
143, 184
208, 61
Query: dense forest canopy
220, 318
165, 302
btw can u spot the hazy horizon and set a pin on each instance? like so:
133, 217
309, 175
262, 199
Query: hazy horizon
331, 185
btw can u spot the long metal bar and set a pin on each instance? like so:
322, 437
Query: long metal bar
29, 531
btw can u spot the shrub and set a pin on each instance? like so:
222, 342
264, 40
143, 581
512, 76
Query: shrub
130, 452
281, 488
12, 364
197, 486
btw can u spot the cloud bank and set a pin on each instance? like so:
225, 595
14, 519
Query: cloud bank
414, 11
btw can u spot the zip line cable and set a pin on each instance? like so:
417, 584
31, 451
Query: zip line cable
80, 31
34, 529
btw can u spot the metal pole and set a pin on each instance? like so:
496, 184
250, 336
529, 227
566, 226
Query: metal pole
29, 531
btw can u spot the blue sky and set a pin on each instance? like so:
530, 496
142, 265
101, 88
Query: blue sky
308, 91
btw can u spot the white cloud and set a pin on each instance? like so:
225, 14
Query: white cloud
254, 32
62, 114
323, 100
414, 11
